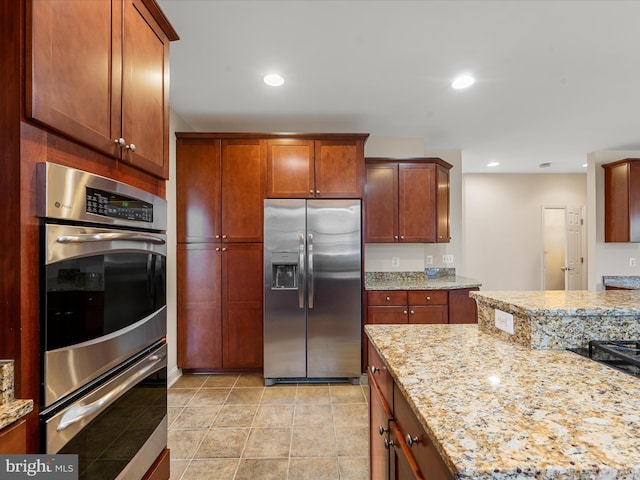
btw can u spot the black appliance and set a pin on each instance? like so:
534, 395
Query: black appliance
623, 355
103, 329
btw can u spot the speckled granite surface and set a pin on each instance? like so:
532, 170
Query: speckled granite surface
629, 282
11, 409
416, 281
559, 319
497, 410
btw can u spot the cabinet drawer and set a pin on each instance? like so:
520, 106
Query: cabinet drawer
422, 449
377, 369
387, 297
428, 297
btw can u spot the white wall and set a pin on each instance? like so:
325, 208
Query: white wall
502, 220
413, 255
176, 124
605, 258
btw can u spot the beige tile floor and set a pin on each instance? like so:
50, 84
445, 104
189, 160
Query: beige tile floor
232, 427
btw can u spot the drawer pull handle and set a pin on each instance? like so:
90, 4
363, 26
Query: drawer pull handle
388, 443
382, 430
374, 369
411, 440
388, 299
428, 299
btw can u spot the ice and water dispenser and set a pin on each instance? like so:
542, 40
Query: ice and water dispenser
284, 270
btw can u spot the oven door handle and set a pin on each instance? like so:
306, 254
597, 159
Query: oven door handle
110, 237
79, 412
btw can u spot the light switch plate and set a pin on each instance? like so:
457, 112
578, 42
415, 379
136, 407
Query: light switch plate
429, 259
504, 321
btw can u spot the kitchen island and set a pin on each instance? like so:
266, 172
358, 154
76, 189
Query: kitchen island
491, 408
559, 319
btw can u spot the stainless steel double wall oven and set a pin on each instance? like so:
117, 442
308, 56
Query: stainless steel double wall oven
103, 329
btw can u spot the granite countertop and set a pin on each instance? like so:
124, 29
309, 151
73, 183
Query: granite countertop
11, 409
560, 302
416, 281
630, 282
496, 409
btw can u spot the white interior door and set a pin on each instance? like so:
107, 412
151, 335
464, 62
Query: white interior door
562, 248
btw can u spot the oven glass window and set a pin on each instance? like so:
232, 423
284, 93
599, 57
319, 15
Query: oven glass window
107, 444
94, 296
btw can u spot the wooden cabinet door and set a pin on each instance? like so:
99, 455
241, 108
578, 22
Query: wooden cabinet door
622, 201
443, 227
13, 439
145, 91
381, 203
290, 168
243, 187
421, 449
394, 315
198, 199
339, 168
378, 433
416, 202
420, 314
242, 298
402, 466
462, 308
73, 70
199, 306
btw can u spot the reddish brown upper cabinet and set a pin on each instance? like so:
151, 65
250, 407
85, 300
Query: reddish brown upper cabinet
219, 189
309, 166
88, 78
622, 201
407, 200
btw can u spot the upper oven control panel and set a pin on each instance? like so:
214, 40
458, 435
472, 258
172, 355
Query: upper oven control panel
77, 196
107, 204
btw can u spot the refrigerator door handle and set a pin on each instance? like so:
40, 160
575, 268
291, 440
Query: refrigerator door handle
301, 271
310, 274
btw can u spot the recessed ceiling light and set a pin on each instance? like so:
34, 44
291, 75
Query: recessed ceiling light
273, 80
463, 81
584, 165
493, 164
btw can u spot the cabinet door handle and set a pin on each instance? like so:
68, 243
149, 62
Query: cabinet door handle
382, 430
402, 237
388, 443
131, 147
395, 236
217, 236
411, 440
217, 249
119, 142
224, 249
412, 312
374, 369
404, 312
428, 299
317, 192
224, 236
311, 192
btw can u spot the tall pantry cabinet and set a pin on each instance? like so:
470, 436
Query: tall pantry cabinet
220, 191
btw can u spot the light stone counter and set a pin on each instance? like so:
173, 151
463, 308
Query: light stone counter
562, 319
628, 282
11, 409
417, 281
499, 410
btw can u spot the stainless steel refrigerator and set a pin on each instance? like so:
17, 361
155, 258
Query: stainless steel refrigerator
312, 290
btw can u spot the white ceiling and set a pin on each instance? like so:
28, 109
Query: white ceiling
554, 79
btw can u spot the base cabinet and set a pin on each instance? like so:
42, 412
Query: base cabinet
13, 439
220, 306
399, 447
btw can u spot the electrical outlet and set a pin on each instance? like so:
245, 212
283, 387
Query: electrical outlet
395, 261
429, 259
447, 259
632, 262
504, 321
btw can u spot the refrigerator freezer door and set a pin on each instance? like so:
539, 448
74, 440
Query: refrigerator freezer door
334, 289
284, 308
